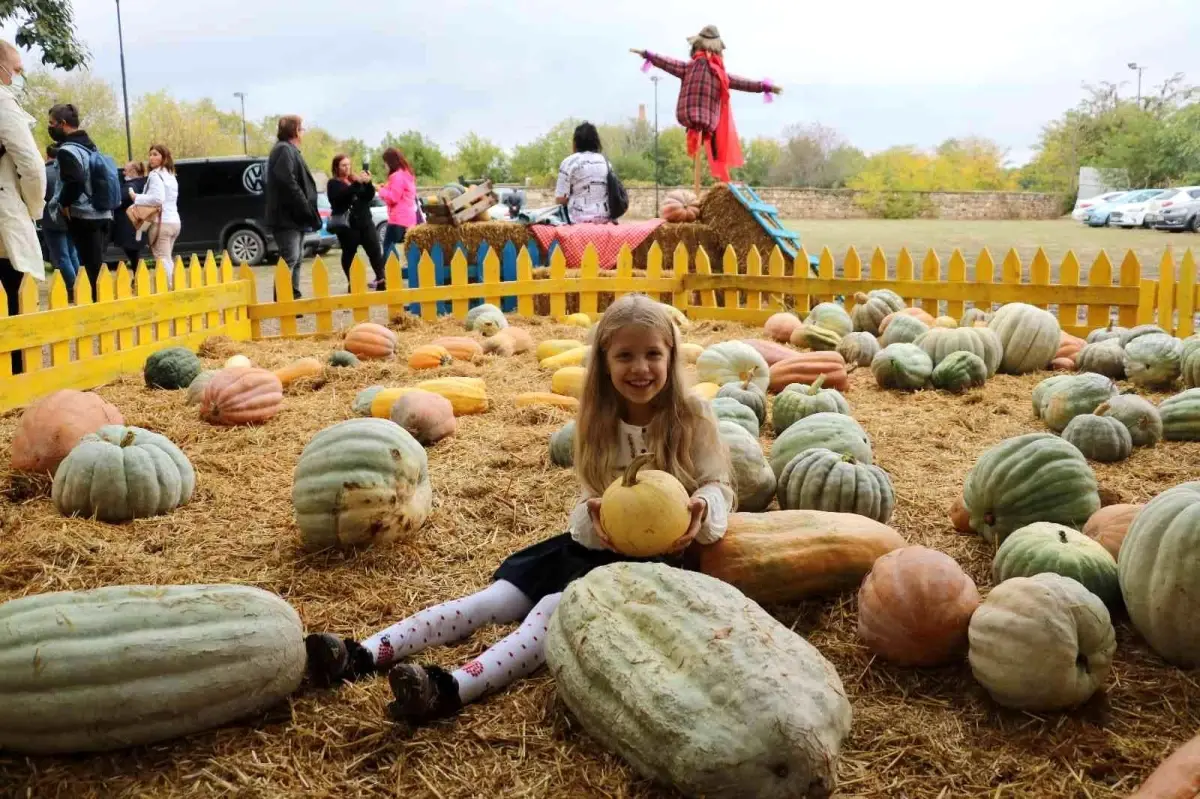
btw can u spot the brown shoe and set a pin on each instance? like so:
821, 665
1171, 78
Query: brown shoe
423, 693
332, 659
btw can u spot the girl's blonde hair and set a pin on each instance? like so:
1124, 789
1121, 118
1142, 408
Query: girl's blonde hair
683, 434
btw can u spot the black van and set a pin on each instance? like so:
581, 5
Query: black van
222, 207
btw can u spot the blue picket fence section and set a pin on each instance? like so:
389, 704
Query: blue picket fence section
441, 271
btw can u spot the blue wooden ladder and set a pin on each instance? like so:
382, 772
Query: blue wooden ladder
767, 217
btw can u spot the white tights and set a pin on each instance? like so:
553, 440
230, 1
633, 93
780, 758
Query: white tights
517, 655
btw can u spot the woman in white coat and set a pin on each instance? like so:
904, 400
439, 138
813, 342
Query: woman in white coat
22, 188
162, 192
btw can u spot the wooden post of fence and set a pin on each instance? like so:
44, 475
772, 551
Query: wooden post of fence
1166, 291
393, 274
558, 273
754, 268
5, 357
624, 271
491, 277
183, 324
956, 275
142, 287
654, 271
1131, 277
195, 281
1068, 275
775, 268
985, 272
60, 351
215, 318
85, 346
589, 269
728, 298
931, 275
1147, 295
225, 267
458, 277
104, 293
427, 279
851, 270
524, 278
359, 290
247, 274
1039, 275
124, 290
321, 290
283, 293
703, 267
1186, 295
904, 271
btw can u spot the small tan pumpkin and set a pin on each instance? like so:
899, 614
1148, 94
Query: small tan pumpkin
959, 517
690, 352
1068, 347
680, 205
297, 370
509, 341
429, 356
53, 425
369, 340
461, 348
1109, 525
1062, 365
781, 326
242, 395
428, 417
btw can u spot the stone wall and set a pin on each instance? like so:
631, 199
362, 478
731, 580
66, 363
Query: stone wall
840, 203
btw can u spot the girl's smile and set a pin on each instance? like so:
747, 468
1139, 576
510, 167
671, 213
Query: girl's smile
639, 362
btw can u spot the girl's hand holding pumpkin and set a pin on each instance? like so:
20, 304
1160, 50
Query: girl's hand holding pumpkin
698, 508
593, 506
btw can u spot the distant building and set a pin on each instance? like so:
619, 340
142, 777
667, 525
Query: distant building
1093, 181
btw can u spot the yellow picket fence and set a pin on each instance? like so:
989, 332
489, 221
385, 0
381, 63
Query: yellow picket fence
132, 315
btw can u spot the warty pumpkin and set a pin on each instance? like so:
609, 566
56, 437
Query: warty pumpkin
299, 370
461, 348
645, 511
53, 425
427, 417
832, 431
1181, 416
530, 398
1041, 643
820, 479
914, 607
798, 401
1048, 547
772, 352
243, 395
787, 555
1028, 335
732, 362
641, 654
569, 381
753, 480
858, 348
806, 367
556, 346
369, 340
814, 337
1109, 526
780, 326
118, 474
137, 664
360, 482
830, 316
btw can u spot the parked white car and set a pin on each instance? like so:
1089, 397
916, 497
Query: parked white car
1083, 207
1155, 207
1131, 212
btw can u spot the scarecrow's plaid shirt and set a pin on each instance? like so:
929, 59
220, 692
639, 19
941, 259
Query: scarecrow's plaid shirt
699, 106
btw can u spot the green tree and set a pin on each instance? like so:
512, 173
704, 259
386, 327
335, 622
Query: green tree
816, 156
477, 157
95, 98
760, 156
48, 25
427, 159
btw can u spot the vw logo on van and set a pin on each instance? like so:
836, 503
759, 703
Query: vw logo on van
252, 178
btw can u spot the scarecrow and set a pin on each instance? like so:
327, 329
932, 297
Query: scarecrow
703, 108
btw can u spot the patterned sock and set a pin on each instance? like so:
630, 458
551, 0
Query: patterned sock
515, 656
499, 603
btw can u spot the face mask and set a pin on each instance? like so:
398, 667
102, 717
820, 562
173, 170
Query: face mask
17, 84
56, 134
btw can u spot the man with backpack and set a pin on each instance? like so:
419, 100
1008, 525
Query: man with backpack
89, 188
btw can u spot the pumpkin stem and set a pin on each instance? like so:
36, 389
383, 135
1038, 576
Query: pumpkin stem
816, 384
1102, 409
861, 298
746, 383
630, 478
1062, 537
848, 458
127, 439
989, 518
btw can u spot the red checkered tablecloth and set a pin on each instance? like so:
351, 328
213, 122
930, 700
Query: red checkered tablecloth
606, 238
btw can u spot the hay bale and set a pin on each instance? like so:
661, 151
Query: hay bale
670, 235
469, 234
735, 225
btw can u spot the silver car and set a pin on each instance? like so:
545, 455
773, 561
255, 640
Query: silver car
1182, 214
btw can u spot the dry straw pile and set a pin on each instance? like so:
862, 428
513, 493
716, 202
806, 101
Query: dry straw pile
916, 733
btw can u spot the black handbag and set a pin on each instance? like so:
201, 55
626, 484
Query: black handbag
618, 199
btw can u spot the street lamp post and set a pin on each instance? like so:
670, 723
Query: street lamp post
1139, 69
245, 147
124, 88
656, 79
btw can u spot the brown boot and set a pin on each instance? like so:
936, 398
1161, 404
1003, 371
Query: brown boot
332, 659
423, 693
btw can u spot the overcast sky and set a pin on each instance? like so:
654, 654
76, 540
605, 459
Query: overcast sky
881, 72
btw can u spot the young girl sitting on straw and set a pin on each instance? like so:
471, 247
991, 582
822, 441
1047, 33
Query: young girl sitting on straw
635, 402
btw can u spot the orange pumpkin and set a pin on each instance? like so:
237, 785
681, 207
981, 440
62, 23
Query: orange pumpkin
772, 353
429, 356
918, 313
305, 367
781, 326
460, 348
1177, 777
680, 205
1068, 347
242, 395
52, 426
369, 340
1062, 365
805, 367
914, 607
1110, 524
959, 516
427, 416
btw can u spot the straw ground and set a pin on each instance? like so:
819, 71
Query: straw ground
931, 733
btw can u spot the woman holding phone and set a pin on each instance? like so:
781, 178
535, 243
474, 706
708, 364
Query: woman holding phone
350, 198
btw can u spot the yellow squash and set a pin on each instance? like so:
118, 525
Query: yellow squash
574, 357
467, 395
569, 381
304, 367
645, 511
706, 391
556, 346
546, 398
381, 405
577, 320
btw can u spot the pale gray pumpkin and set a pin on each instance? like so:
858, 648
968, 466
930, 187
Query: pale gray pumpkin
940, 342
858, 348
1099, 438
107, 668
1029, 336
749, 395
196, 387
562, 445
753, 480
360, 482
798, 400
903, 329
120, 473
1153, 360
1190, 344
733, 362
1076, 395
973, 315
1139, 416
830, 316
1181, 416
478, 311
727, 409
1109, 333
959, 371
1134, 333
870, 308
819, 479
833, 431
696, 686
816, 338
1103, 357
901, 366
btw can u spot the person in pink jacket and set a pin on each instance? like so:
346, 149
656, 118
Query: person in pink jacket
399, 193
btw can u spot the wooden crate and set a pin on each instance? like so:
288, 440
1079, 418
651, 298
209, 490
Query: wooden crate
464, 208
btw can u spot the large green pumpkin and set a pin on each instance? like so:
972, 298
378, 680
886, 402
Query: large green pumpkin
830, 316
1190, 344
88, 671
119, 473
870, 309
1110, 333
1099, 438
730, 410
1043, 390
858, 348
832, 431
819, 479
1036, 477
753, 480
172, 368
1140, 417
1189, 368
1029, 336
360, 482
1153, 361
959, 371
798, 400
562, 445
749, 395
1181, 416
1135, 333
903, 329
901, 366
940, 342
343, 359
1048, 547
1074, 396
696, 686
1159, 571
1104, 357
